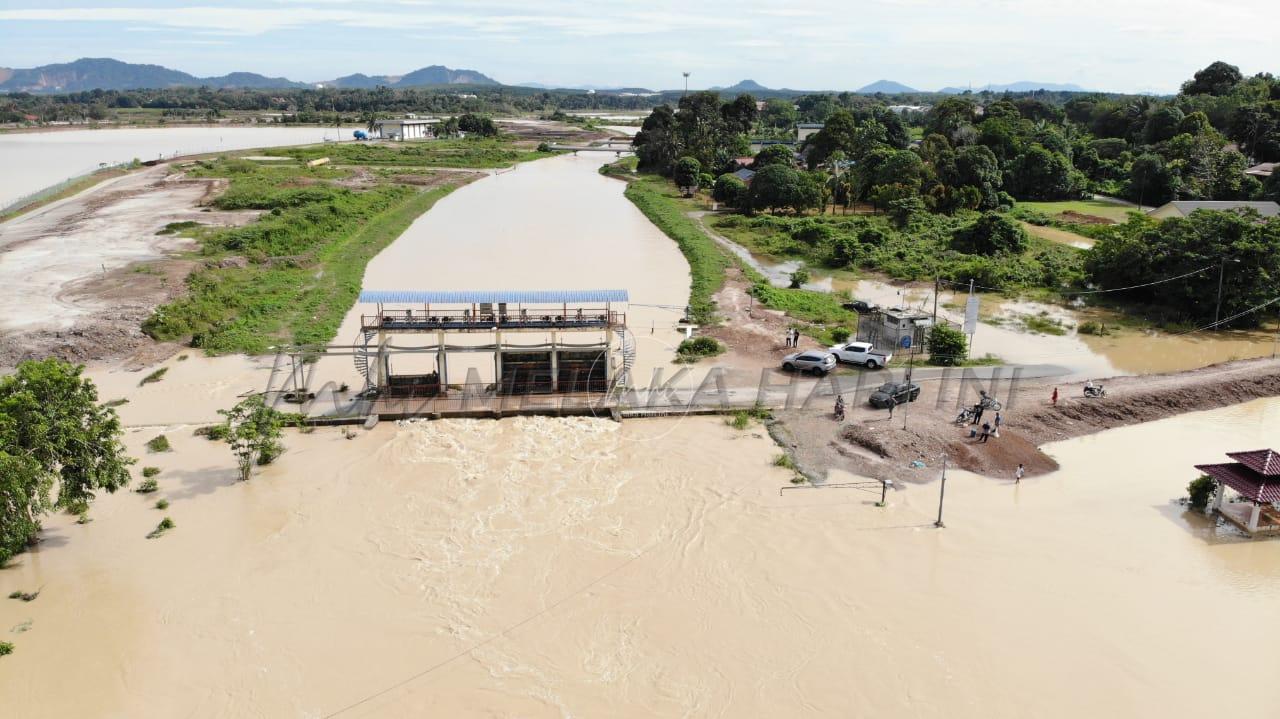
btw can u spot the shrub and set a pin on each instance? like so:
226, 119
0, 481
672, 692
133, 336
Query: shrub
165, 525
115, 403
213, 432
784, 460
1089, 327
947, 346
154, 376
147, 486
799, 277
695, 348
729, 190
6, 648
741, 420
158, 444
162, 504
150, 472
841, 334
1200, 490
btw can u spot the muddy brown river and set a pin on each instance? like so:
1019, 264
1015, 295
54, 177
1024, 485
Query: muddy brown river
540, 567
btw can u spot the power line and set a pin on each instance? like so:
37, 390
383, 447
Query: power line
1091, 292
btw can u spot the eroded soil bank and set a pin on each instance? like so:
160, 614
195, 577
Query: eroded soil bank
871, 444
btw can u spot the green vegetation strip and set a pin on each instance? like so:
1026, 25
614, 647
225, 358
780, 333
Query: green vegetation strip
660, 202
707, 262
300, 266
476, 153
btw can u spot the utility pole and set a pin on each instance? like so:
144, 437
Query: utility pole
937, 282
1217, 308
911, 355
942, 493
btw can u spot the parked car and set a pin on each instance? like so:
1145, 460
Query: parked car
862, 353
862, 307
900, 392
815, 361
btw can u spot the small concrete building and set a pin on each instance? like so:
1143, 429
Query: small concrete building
405, 128
1183, 208
805, 130
1255, 477
893, 329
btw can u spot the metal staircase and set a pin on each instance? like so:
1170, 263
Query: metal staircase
627, 345
361, 354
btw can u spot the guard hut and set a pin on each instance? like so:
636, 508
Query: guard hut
1255, 476
541, 342
896, 328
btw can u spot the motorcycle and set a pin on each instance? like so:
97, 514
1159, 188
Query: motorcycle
1094, 391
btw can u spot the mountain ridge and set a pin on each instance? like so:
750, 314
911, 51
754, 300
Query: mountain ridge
104, 73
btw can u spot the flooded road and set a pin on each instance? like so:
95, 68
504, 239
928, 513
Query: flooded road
564, 568
33, 161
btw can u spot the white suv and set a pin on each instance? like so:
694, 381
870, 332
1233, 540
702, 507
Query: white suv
815, 361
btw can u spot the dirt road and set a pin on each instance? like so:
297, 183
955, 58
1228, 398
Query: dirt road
870, 444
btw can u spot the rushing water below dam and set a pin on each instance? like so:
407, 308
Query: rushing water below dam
542, 567
33, 161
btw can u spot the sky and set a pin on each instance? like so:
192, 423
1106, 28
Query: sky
1113, 45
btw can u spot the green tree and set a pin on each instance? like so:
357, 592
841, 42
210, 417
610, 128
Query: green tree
253, 431
1150, 181
1039, 174
1162, 124
948, 347
740, 115
657, 143
774, 155
948, 117
473, 124
779, 114
992, 234
1218, 78
52, 430
778, 187
729, 190
686, 171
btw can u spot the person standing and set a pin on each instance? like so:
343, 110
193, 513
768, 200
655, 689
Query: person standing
999, 419
986, 432
795, 337
786, 339
978, 409
1054, 399
1017, 473
892, 403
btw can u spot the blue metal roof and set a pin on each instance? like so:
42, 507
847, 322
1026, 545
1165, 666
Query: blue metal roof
466, 297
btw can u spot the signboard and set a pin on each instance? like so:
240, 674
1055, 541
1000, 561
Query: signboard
971, 315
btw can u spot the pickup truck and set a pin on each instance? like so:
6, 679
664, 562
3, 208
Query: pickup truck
861, 353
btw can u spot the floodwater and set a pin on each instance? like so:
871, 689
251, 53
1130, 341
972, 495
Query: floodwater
33, 161
542, 567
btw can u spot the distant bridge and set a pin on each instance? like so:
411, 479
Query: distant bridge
591, 148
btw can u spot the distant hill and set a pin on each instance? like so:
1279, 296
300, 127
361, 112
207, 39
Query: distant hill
888, 87
1020, 86
108, 74
743, 86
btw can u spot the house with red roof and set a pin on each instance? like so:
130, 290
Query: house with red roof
1255, 476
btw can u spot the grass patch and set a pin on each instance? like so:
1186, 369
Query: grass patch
784, 460
657, 199
150, 472
158, 444
24, 596
213, 432
115, 403
174, 228
1090, 327
1097, 208
162, 504
6, 648
1044, 324
154, 377
147, 486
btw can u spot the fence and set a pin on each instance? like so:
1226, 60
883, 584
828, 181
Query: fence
54, 189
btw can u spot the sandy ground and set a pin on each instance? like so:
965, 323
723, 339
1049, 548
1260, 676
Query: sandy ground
74, 286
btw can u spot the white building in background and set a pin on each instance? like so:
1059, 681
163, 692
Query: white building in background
806, 129
405, 129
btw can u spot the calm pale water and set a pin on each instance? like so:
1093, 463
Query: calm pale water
32, 161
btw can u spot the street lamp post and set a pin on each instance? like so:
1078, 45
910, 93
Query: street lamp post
942, 493
686, 85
